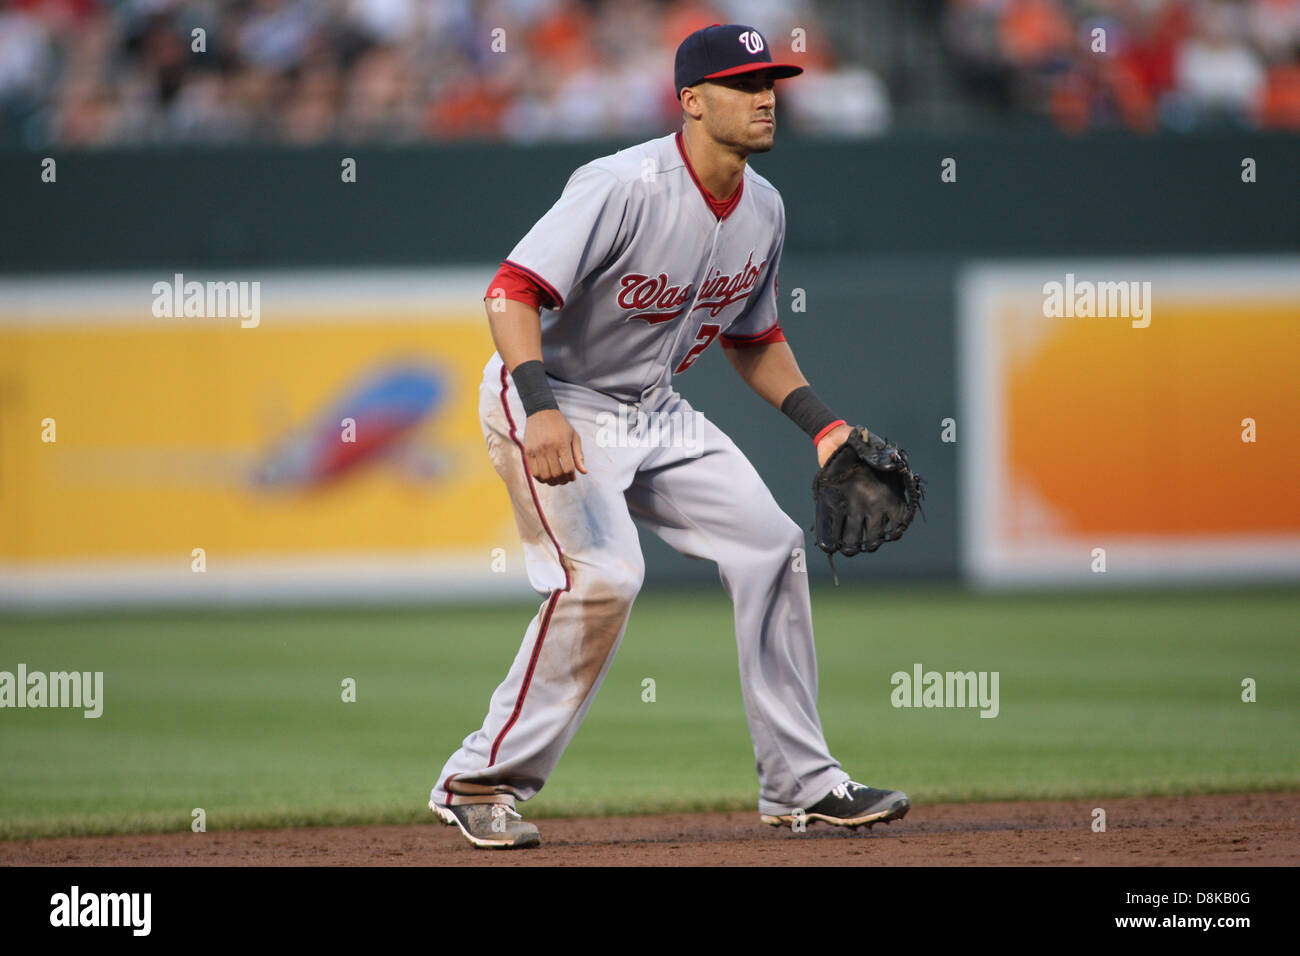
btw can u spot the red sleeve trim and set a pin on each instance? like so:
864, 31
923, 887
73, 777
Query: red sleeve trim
827, 430
524, 285
774, 334
512, 284
559, 299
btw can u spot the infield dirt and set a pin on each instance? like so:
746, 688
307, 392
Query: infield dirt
1220, 830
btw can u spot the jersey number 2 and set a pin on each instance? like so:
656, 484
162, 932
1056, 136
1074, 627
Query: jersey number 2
703, 340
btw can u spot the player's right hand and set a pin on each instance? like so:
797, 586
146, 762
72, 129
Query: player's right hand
553, 448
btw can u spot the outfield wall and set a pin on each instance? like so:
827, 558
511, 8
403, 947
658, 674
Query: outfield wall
170, 431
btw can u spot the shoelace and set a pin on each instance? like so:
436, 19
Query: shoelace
842, 791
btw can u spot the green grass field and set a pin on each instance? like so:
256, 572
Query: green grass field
241, 714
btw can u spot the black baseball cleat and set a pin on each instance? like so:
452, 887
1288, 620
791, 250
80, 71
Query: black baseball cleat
850, 804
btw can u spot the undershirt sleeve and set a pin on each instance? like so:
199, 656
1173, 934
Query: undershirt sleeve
512, 282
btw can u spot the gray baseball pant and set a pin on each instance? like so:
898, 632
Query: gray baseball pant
682, 478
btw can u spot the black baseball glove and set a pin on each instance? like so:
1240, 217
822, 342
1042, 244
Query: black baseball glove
866, 494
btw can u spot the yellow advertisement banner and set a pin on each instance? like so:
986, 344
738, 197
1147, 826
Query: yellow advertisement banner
344, 422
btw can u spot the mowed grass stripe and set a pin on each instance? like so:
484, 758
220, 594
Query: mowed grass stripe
241, 714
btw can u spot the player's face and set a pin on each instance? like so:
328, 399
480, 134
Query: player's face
740, 111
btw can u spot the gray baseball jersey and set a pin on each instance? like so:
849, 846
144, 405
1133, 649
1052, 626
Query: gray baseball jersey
645, 275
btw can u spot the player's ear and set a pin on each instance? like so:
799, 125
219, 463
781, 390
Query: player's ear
692, 102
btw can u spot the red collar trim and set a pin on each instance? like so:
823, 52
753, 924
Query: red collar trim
722, 208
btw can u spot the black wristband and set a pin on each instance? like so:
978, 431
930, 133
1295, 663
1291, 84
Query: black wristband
533, 388
806, 410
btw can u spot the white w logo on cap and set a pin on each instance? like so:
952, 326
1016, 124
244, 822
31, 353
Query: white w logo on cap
752, 41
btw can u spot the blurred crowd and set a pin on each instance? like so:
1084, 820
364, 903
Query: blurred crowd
94, 72
111, 72
1136, 64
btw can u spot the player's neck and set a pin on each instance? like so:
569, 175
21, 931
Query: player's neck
718, 168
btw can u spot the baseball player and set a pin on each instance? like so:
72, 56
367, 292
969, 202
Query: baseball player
647, 258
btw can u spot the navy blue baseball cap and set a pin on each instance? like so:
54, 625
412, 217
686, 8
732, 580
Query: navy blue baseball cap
725, 49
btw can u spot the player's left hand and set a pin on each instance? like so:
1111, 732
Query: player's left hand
865, 494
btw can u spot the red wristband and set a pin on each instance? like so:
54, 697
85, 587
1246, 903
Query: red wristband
825, 431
